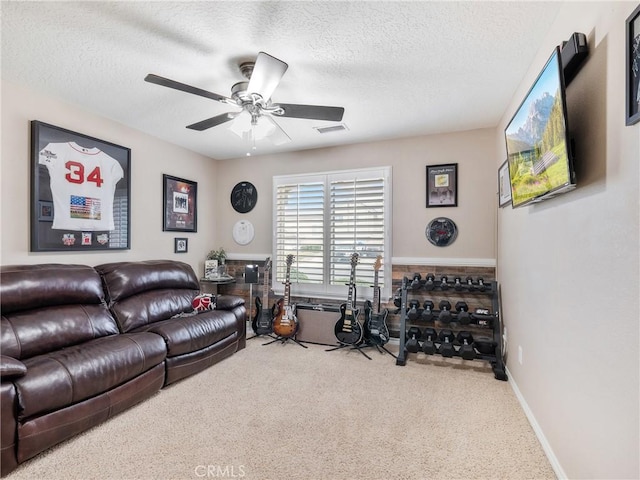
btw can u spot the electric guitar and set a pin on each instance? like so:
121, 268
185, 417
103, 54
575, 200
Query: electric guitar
375, 327
348, 331
261, 324
285, 323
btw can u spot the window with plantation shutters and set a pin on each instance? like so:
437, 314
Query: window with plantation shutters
323, 219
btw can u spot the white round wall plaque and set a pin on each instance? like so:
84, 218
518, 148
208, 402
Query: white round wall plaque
243, 232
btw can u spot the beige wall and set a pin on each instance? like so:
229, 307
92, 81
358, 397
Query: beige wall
150, 158
569, 268
473, 151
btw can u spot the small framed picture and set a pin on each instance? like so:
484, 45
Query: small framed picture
504, 185
633, 67
45, 211
180, 245
180, 209
442, 185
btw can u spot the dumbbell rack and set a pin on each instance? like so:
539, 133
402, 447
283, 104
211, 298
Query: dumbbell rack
490, 322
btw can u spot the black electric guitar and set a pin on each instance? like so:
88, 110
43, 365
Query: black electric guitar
375, 326
262, 322
348, 331
285, 323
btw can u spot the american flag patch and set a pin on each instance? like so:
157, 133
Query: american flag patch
84, 207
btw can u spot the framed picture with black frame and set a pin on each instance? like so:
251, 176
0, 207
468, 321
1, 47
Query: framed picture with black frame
504, 185
442, 185
180, 205
633, 67
80, 191
180, 245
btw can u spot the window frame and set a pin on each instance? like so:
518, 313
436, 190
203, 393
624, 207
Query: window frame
326, 290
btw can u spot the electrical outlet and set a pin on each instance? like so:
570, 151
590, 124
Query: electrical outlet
520, 354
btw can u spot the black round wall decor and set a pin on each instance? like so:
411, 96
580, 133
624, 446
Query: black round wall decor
244, 197
441, 231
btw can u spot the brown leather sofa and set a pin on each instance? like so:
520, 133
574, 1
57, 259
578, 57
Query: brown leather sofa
81, 344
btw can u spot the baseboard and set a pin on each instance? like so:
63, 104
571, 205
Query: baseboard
553, 460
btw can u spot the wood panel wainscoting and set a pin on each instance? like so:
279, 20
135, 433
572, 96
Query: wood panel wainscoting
235, 268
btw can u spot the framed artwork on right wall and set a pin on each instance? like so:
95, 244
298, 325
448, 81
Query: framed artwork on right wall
633, 67
504, 185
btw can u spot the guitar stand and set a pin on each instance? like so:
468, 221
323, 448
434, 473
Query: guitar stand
353, 347
255, 335
380, 348
284, 340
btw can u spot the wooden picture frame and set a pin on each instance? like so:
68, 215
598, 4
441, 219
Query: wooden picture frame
442, 185
180, 245
504, 185
633, 68
80, 191
180, 204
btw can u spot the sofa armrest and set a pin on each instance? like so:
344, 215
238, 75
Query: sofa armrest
11, 368
228, 302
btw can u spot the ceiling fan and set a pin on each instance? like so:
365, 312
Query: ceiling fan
254, 98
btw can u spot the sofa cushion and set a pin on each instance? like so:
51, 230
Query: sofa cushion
141, 293
65, 377
10, 367
51, 306
192, 333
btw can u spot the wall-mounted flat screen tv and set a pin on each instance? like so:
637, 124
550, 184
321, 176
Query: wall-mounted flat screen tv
538, 145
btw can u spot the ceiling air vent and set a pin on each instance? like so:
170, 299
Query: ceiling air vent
332, 128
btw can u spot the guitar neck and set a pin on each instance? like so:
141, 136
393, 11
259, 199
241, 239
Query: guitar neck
376, 293
350, 300
265, 288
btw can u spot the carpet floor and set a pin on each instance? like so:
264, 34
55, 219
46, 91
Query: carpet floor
284, 412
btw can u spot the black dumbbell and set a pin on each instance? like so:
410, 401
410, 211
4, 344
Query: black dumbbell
413, 334
457, 284
481, 285
429, 283
427, 313
463, 316
446, 338
466, 351
470, 286
485, 345
413, 312
397, 298
429, 336
445, 311
444, 285
415, 283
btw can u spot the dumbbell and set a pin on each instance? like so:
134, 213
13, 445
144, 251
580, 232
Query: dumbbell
397, 298
464, 317
485, 345
428, 338
445, 311
415, 283
413, 312
429, 283
457, 284
413, 334
470, 286
444, 285
446, 338
427, 313
466, 351
481, 285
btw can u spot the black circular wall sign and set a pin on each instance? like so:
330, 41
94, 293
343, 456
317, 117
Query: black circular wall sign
441, 231
244, 197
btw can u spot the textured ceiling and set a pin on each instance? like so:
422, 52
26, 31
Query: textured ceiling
398, 68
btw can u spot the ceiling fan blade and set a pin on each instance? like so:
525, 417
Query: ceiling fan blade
165, 82
279, 136
266, 75
213, 121
312, 112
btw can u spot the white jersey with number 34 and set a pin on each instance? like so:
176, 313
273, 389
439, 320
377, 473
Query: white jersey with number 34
83, 182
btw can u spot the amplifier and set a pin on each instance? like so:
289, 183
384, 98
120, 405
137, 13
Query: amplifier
317, 322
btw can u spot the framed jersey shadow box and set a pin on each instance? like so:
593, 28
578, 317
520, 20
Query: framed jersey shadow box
80, 191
